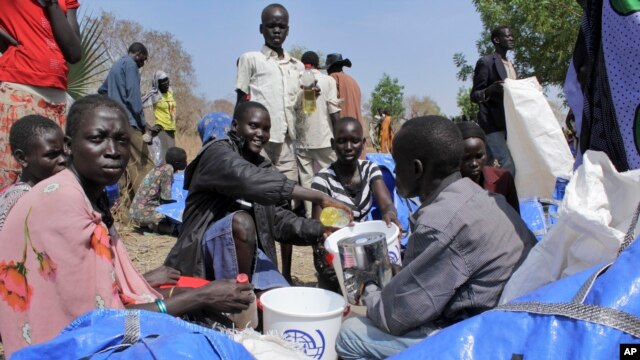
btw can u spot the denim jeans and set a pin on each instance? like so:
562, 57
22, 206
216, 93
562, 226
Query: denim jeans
360, 338
497, 144
221, 262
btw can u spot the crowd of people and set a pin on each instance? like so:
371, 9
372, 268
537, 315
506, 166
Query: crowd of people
267, 181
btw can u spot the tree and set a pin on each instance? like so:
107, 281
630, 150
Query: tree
388, 94
223, 105
468, 109
465, 71
87, 74
421, 106
545, 33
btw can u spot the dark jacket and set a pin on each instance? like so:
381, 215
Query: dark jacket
216, 178
489, 69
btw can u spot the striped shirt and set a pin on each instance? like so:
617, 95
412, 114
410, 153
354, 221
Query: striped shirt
360, 199
9, 197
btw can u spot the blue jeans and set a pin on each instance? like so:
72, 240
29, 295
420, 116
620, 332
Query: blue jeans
220, 258
497, 144
360, 338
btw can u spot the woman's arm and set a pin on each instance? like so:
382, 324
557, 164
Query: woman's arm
66, 37
387, 209
218, 296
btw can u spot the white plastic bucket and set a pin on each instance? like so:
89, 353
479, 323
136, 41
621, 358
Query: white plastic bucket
309, 316
392, 234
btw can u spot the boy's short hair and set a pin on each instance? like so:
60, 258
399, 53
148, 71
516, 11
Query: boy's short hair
268, 8
469, 129
244, 108
27, 128
431, 139
175, 155
346, 120
311, 58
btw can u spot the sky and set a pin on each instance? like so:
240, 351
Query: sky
412, 40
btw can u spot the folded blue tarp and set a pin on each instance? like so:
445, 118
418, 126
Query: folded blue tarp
584, 316
134, 334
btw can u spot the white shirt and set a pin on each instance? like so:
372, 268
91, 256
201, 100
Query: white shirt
275, 83
314, 131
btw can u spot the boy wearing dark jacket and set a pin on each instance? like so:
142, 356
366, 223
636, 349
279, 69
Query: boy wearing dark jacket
235, 208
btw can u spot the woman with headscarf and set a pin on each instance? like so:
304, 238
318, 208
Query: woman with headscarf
164, 111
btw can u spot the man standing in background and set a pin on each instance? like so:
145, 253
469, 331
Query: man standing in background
348, 89
314, 131
123, 86
272, 77
488, 77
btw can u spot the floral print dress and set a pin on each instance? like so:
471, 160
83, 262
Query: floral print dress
58, 260
156, 186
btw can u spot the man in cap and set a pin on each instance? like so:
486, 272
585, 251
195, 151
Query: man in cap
348, 89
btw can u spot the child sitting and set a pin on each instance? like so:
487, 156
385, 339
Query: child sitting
37, 144
352, 181
465, 243
155, 190
473, 165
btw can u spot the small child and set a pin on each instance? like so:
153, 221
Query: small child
473, 165
37, 144
155, 190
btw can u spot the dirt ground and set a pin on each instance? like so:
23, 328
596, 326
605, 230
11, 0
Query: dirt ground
148, 251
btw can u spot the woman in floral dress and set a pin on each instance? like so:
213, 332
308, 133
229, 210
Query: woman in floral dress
155, 190
60, 255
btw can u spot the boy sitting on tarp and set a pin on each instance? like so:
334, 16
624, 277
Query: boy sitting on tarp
464, 246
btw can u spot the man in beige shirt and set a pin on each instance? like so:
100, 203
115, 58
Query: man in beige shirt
315, 130
272, 77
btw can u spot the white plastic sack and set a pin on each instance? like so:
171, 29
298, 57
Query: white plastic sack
268, 346
594, 216
535, 139
155, 151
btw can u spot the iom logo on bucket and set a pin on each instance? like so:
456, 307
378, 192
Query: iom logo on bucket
313, 346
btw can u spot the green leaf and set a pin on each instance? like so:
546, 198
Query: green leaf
85, 76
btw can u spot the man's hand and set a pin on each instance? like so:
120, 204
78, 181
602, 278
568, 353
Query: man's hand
155, 130
226, 296
315, 88
493, 89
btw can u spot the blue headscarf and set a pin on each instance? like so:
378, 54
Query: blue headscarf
214, 125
